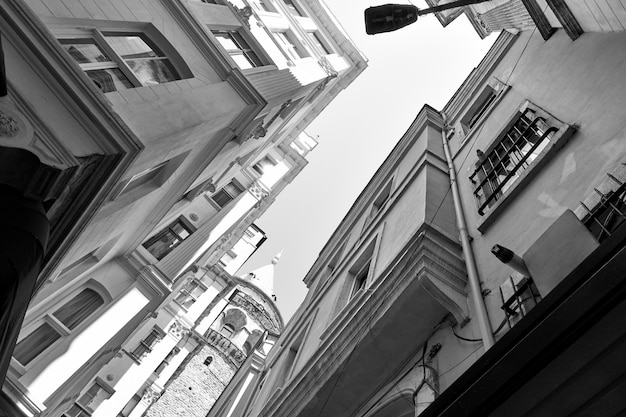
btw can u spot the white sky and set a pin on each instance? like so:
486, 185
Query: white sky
421, 63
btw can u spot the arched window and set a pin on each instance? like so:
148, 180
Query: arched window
227, 330
58, 324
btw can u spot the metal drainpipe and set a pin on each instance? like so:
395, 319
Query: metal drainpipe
472, 273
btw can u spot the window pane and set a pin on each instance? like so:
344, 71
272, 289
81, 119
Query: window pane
227, 42
242, 61
129, 47
152, 71
180, 230
35, 343
145, 61
222, 198
94, 397
79, 308
110, 79
84, 51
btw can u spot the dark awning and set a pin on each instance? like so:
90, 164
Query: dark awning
565, 358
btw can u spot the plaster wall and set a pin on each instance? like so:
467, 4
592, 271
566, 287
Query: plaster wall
43, 382
580, 83
50, 103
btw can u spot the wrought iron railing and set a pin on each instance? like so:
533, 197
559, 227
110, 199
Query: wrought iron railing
224, 344
610, 212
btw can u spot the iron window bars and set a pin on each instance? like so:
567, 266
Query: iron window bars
519, 296
497, 170
610, 212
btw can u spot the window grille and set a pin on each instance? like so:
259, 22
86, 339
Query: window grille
169, 238
610, 212
519, 296
145, 346
505, 162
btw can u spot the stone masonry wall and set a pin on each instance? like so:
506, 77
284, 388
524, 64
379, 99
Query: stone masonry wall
196, 388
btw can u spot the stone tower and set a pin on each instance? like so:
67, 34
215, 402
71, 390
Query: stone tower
247, 320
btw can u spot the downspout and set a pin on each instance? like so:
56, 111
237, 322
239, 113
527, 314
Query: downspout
470, 263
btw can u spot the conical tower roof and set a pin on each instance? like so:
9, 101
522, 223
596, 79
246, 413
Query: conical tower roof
263, 277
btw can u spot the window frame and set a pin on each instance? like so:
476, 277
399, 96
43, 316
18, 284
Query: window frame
84, 411
198, 284
317, 40
236, 184
169, 229
294, 8
58, 326
146, 32
143, 348
290, 45
245, 47
561, 133
500, 89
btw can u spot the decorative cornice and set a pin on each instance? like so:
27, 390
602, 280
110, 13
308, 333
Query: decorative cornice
225, 346
256, 311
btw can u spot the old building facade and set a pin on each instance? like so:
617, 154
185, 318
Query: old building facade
546, 16
409, 312
140, 142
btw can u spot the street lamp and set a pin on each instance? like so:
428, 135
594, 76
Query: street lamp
390, 17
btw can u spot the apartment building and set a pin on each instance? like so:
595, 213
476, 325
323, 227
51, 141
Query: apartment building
140, 141
480, 272
546, 16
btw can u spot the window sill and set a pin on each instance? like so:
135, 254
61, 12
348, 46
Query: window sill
560, 138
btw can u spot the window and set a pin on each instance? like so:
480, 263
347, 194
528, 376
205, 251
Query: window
288, 43
117, 61
228, 257
263, 5
265, 164
190, 293
145, 346
360, 278
605, 209
166, 240
143, 178
479, 108
227, 194
227, 331
238, 49
378, 204
294, 9
59, 324
147, 181
318, 44
130, 406
519, 295
503, 164
361, 269
90, 401
167, 360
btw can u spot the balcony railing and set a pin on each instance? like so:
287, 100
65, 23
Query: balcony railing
610, 211
224, 345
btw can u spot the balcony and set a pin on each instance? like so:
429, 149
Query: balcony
224, 345
379, 330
